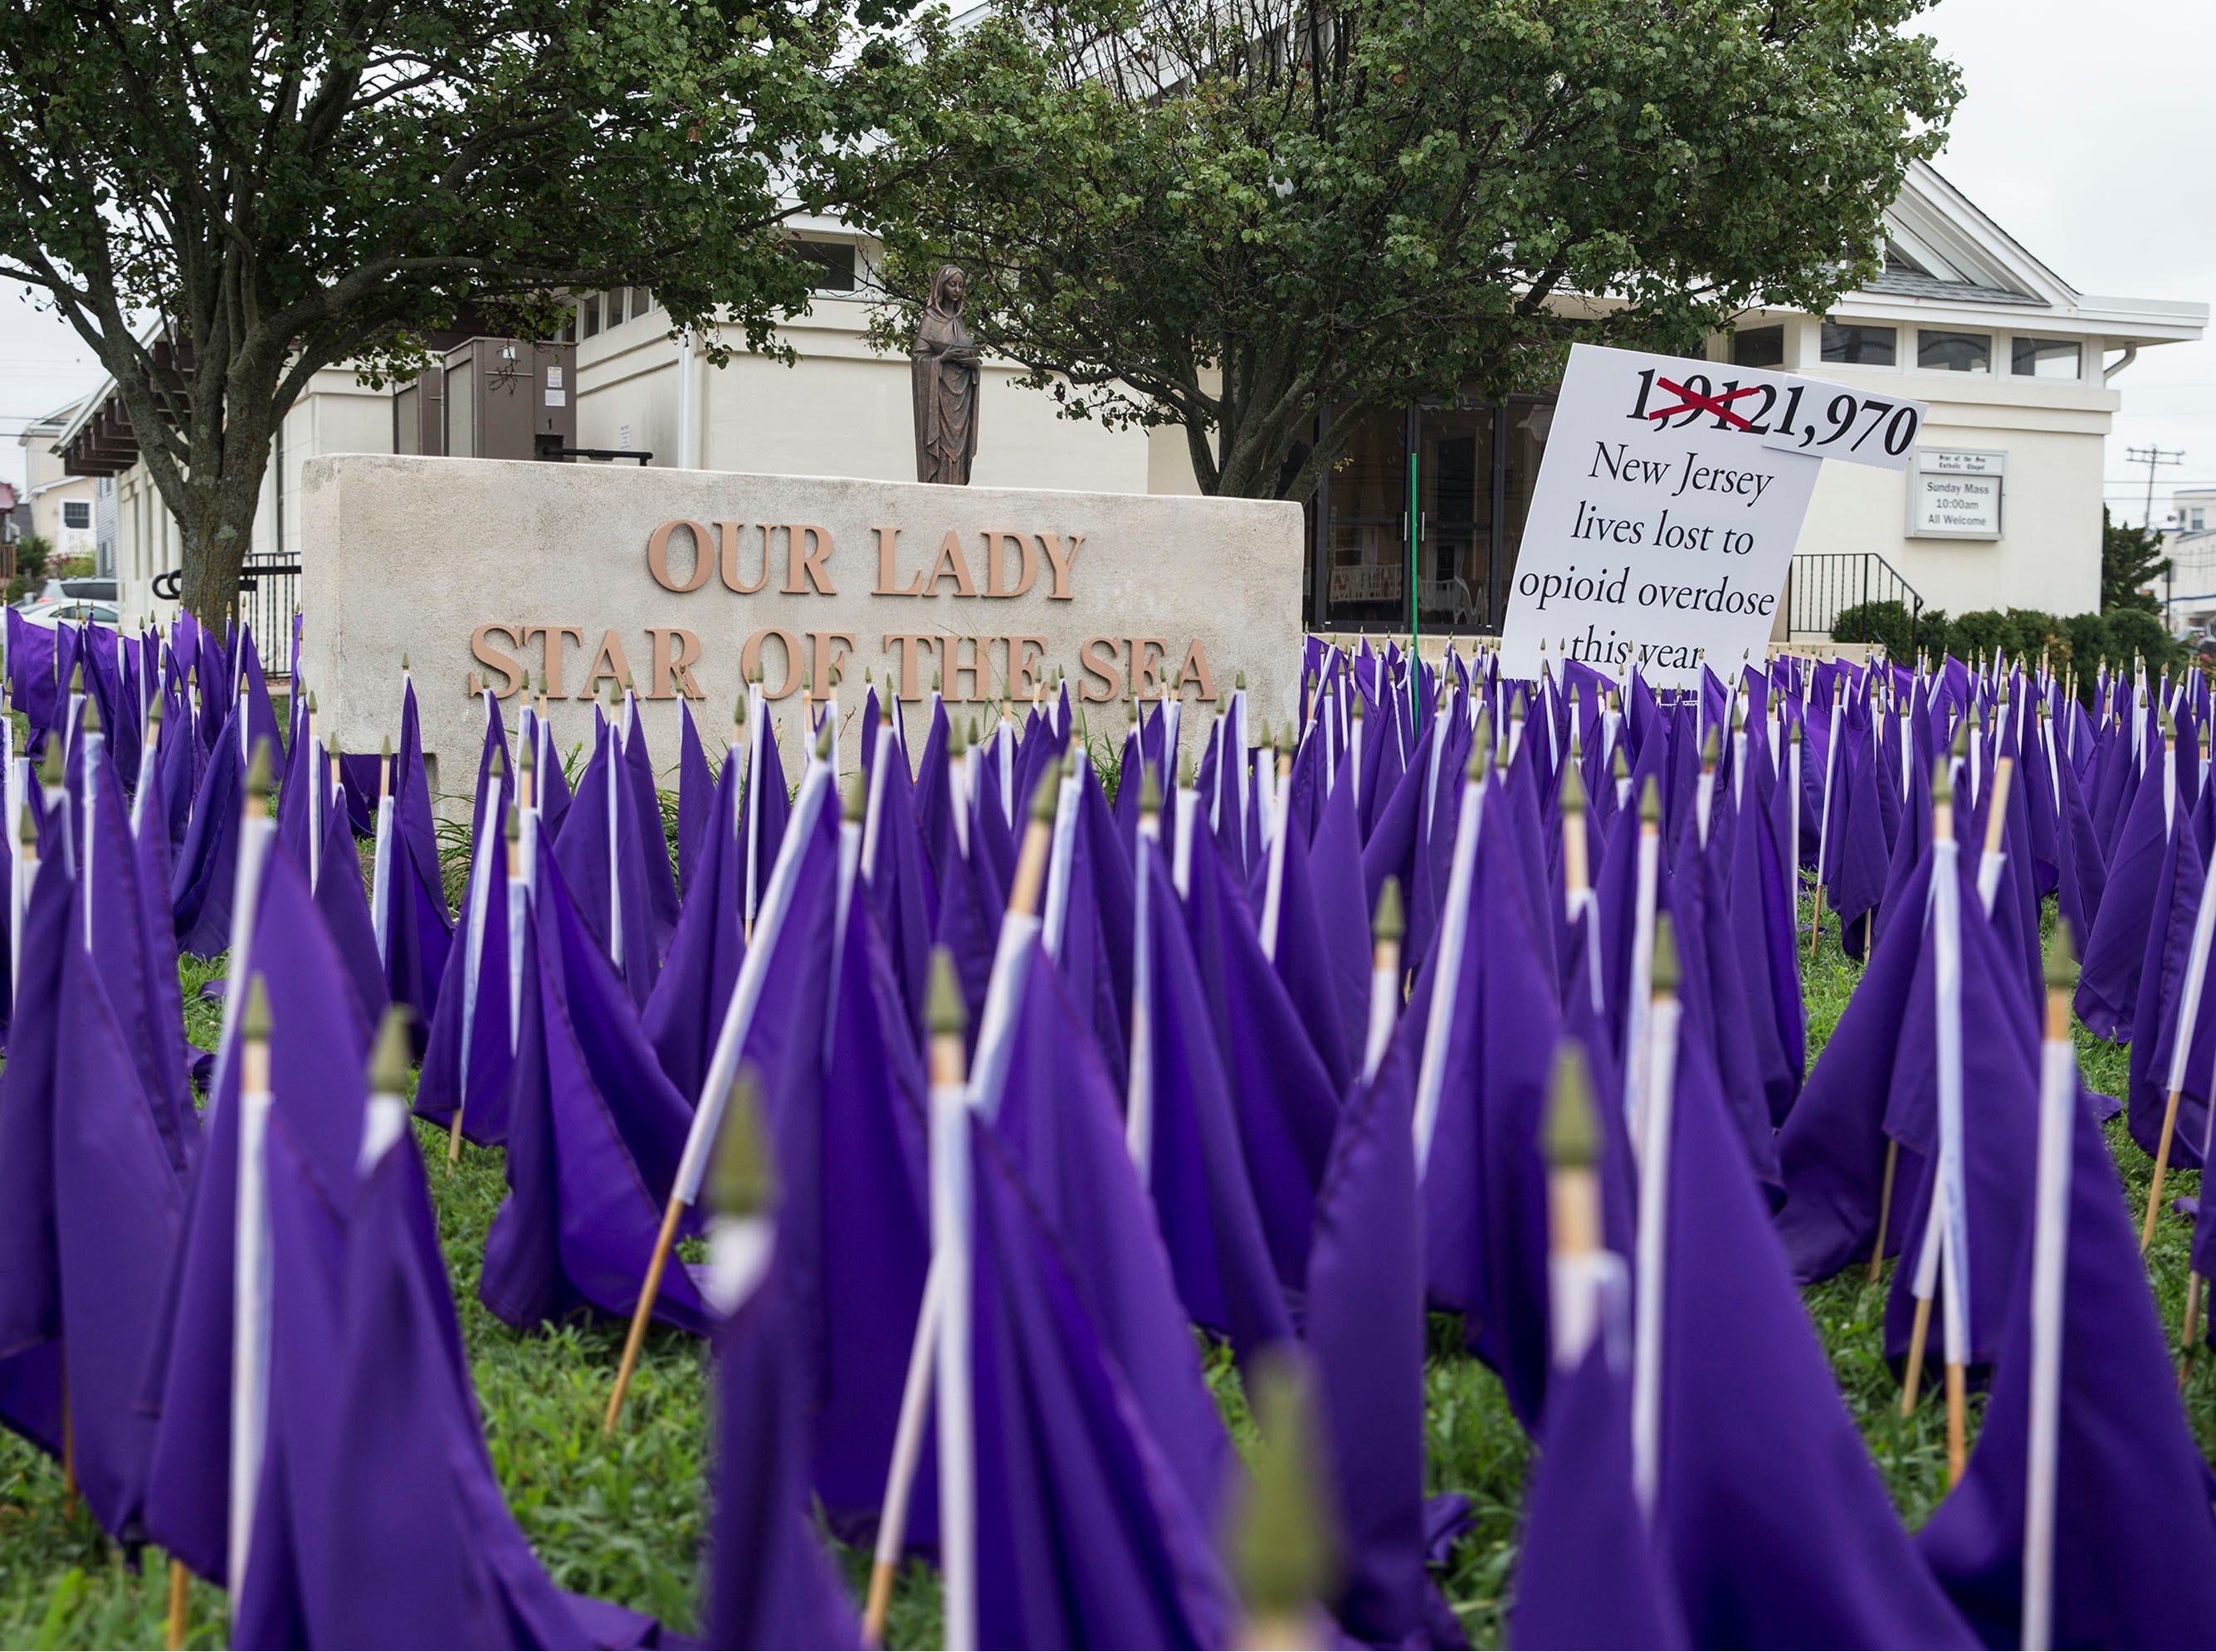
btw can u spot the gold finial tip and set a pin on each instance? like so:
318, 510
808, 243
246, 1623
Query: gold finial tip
1573, 790
253, 1024
944, 1014
2061, 958
1044, 797
389, 1060
745, 1185
1570, 1133
1391, 921
1666, 971
1283, 1552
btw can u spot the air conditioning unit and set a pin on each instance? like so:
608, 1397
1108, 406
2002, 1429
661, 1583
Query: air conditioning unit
491, 398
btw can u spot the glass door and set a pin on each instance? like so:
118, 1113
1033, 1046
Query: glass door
1454, 493
1365, 544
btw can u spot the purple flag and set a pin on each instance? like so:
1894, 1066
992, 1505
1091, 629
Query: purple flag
1192, 1159
1365, 1336
770, 1584
317, 1032
1084, 1535
1773, 1523
2134, 1543
696, 797
594, 1133
686, 1005
1587, 1573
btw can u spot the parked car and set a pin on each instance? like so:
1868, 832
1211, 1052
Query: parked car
78, 613
84, 588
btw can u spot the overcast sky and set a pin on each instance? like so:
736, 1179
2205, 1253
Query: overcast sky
2094, 160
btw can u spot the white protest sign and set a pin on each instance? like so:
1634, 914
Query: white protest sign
1833, 422
1663, 522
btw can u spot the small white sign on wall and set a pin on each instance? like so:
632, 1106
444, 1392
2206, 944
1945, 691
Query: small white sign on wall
1956, 494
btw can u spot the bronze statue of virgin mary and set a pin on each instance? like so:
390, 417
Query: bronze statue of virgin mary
943, 367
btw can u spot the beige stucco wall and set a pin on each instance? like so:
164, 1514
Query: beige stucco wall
841, 409
450, 560
2048, 556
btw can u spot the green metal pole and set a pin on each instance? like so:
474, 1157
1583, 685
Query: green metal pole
1415, 617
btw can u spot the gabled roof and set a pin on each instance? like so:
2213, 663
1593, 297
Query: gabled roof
1943, 252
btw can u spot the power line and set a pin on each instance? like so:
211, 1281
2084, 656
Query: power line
2153, 458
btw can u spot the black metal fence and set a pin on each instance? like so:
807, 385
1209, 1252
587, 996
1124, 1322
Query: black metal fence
1822, 585
268, 597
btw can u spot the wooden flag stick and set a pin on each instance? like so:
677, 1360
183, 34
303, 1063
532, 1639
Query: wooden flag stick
2161, 1164
1912, 1377
2187, 1337
1958, 1451
662, 1242
947, 1024
1816, 929
180, 1583
1883, 1207
2169, 1107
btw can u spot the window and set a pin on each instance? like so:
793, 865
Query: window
833, 262
1853, 345
1758, 347
2047, 357
1954, 352
588, 308
76, 514
641, 302
614, 300
2200, 517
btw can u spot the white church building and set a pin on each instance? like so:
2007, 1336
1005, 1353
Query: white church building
2000, 508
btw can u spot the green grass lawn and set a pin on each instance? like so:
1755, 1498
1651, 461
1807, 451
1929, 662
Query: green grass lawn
623, 1517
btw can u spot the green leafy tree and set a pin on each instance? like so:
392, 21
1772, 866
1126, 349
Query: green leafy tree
1228, 216
224, 199
2130, 557
33, 551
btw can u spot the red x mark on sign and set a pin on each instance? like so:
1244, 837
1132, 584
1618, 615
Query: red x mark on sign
1695, 402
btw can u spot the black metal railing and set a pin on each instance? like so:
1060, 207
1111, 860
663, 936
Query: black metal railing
1822, 585
268, 595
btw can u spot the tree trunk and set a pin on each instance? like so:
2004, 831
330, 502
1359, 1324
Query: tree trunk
215, 517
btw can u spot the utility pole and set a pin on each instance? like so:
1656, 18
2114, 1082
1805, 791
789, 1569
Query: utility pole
2154, 458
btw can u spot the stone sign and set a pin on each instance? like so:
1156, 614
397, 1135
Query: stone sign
685, 581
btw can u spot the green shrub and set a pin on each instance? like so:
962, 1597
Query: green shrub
2086, 638
1979, 635
2079, 642
2031, 633
1886, 623
2132, 630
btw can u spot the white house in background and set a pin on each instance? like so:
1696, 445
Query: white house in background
2190, 593
2018, 368
62, 503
